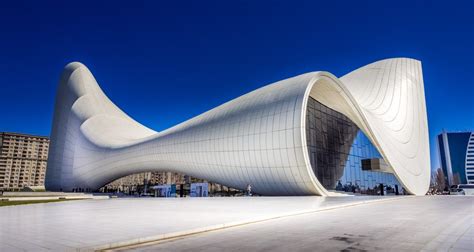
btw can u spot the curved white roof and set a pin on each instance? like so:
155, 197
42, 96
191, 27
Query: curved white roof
258, 138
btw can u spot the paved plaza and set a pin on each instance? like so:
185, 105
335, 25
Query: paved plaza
271, 224
412, 224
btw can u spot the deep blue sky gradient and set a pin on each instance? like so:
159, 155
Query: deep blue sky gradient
164, 62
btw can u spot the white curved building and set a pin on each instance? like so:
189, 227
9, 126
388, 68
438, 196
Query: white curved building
270, 138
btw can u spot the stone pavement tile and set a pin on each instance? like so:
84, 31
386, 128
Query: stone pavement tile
376, 245
447, 238
425, 236
459, 231
6, 247
30, 245
434, 246
466, 238
469, 234
413, 246
408, 237
460, 250
465, 244
443, 247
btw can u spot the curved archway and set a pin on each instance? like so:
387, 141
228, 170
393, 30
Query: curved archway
258, 138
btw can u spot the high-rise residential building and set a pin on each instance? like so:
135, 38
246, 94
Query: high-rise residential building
23, 160
456, 152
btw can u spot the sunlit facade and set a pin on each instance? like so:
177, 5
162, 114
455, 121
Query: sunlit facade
292, 137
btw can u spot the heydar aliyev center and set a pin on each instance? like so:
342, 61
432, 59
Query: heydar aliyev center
291, 137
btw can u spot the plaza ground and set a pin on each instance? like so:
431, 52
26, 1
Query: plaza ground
243, 224
410, 224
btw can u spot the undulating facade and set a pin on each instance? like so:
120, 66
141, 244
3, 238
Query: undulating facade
291, 137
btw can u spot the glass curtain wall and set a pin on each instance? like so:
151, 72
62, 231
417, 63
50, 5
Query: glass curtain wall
336, 149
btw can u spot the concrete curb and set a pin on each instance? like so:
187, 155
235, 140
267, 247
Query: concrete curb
39, 198
167, 236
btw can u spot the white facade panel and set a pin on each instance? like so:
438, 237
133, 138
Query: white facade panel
258, 138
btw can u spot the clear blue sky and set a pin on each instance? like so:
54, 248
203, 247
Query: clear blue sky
164, 62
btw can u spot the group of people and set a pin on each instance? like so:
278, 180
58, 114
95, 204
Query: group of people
79, 189
380, 189
349, 187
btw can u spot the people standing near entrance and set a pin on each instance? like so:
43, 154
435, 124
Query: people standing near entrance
249, 190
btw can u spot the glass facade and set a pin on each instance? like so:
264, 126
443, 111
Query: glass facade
459, 150
442, 156
362, 149
336, 149
458, 144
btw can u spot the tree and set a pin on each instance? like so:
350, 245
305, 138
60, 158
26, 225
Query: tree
440, 180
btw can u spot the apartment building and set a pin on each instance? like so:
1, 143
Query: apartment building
23, 160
